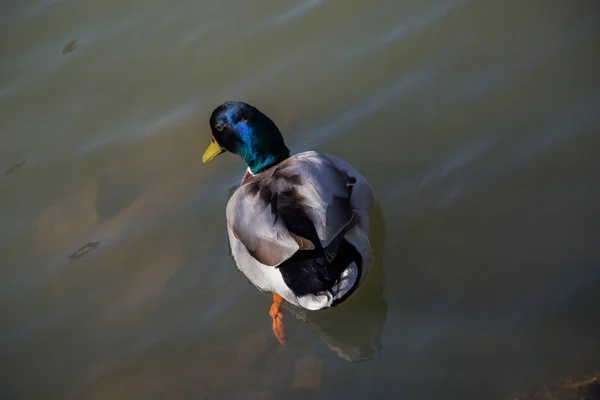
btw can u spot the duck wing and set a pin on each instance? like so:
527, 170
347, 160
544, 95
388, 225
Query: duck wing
304, 203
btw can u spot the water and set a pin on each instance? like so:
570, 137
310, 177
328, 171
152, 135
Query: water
476, 122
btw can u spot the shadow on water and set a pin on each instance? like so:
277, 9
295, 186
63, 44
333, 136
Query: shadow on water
353, 329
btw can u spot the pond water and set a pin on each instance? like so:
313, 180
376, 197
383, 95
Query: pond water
476, 122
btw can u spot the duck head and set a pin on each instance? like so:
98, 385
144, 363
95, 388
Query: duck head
239, 128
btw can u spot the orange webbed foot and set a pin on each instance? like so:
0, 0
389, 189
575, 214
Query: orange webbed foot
277, 315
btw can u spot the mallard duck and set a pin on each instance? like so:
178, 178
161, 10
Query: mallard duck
298, 224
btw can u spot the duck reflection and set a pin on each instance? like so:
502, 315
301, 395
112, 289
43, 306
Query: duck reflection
353, 329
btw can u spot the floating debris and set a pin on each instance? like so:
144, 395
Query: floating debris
15, 167
585, 388
83, 250
70, 47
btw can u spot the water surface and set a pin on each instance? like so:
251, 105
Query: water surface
476, 122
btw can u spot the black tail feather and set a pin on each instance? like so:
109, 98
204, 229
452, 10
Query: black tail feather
317, 269
311, 275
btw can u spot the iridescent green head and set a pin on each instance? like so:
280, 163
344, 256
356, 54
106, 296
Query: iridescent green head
239, 128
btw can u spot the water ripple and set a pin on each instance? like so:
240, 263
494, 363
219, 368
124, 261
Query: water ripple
404, 29
401, 86
302, 8
505, 71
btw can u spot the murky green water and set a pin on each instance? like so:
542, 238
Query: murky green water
476, 122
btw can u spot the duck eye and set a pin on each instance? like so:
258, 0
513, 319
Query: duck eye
220, 127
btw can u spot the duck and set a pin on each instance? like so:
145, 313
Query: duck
298, 224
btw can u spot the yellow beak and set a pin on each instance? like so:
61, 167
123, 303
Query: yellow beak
213, 150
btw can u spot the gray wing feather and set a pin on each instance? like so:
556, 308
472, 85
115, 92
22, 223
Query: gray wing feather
322, 188
254, 224
361, 198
